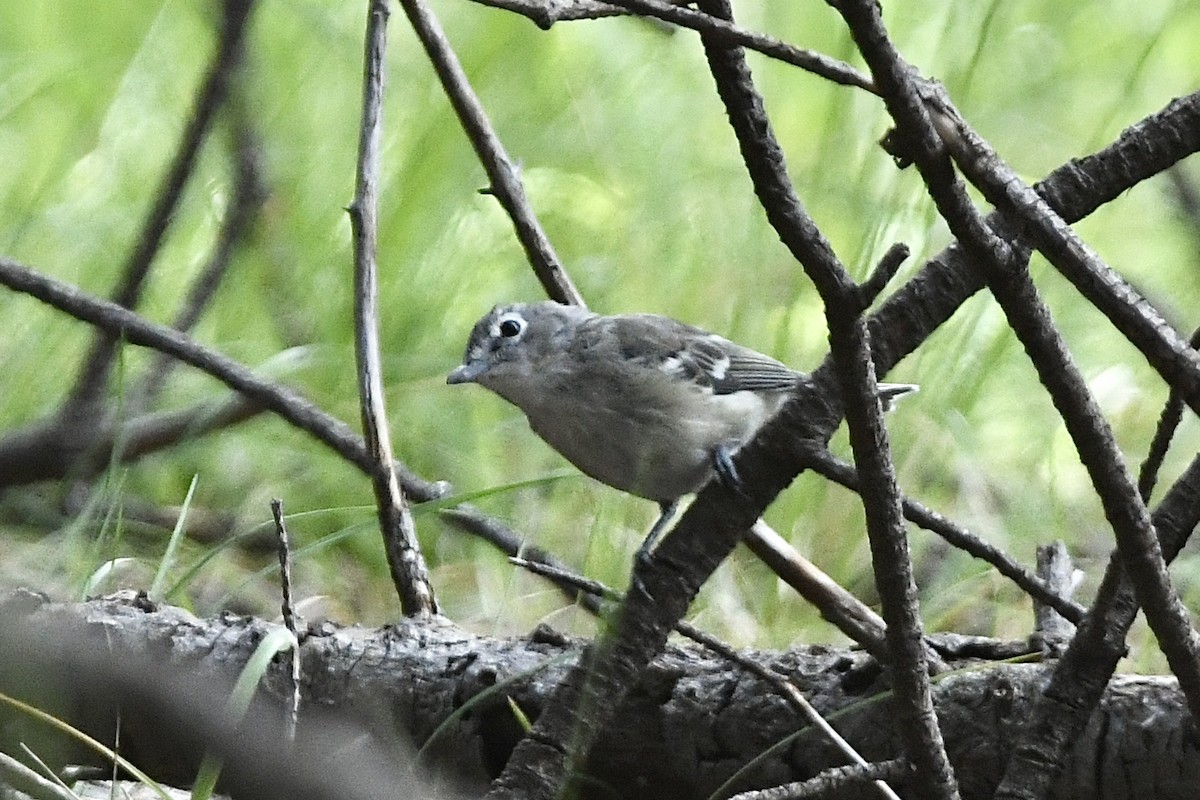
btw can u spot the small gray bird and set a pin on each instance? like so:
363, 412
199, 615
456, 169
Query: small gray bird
643, 403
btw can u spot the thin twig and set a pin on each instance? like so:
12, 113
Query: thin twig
405, 560
1162, 346
289, 611
502, 173
247, 199
93, 378
1164, 431
1051, 629
117, 320
851, 616
284, 551
870, 289
825, 463
726, 32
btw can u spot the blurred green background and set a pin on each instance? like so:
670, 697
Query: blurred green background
630, 164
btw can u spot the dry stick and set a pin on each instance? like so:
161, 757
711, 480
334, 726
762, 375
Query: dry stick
850, 346
1030, 320
93, 377
404, 557
726, 32
870, 289
596, 589
289, 612
547, 12
837, 605
1168, 422
825, 463
505, 182
1051, 629
1163, 347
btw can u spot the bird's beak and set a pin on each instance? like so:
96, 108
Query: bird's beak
468, 372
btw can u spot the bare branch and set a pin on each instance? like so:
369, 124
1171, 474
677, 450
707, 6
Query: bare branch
504, 176
405, 561
1168, 423
93, 378
1079, 680
825, 463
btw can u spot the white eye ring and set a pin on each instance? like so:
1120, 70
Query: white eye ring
510, 326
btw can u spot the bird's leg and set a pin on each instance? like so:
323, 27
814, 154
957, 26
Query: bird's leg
667, 514
726, 472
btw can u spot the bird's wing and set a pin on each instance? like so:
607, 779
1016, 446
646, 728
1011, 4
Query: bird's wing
686, 352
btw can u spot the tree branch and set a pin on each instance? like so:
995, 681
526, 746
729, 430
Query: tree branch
404, 558
93, 377
505, 178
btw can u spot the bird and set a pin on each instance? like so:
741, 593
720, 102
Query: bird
644, 403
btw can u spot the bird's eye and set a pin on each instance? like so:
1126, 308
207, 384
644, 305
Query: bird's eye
511, 327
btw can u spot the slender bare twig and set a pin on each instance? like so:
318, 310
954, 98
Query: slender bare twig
284, 550
1164, 431
1051, 629
502, 173
726, 32
547, 12
117, 320
93, 377
825, 463
851, 616
870, 289
404, 557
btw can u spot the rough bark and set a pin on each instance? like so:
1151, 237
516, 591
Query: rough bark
694, 721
